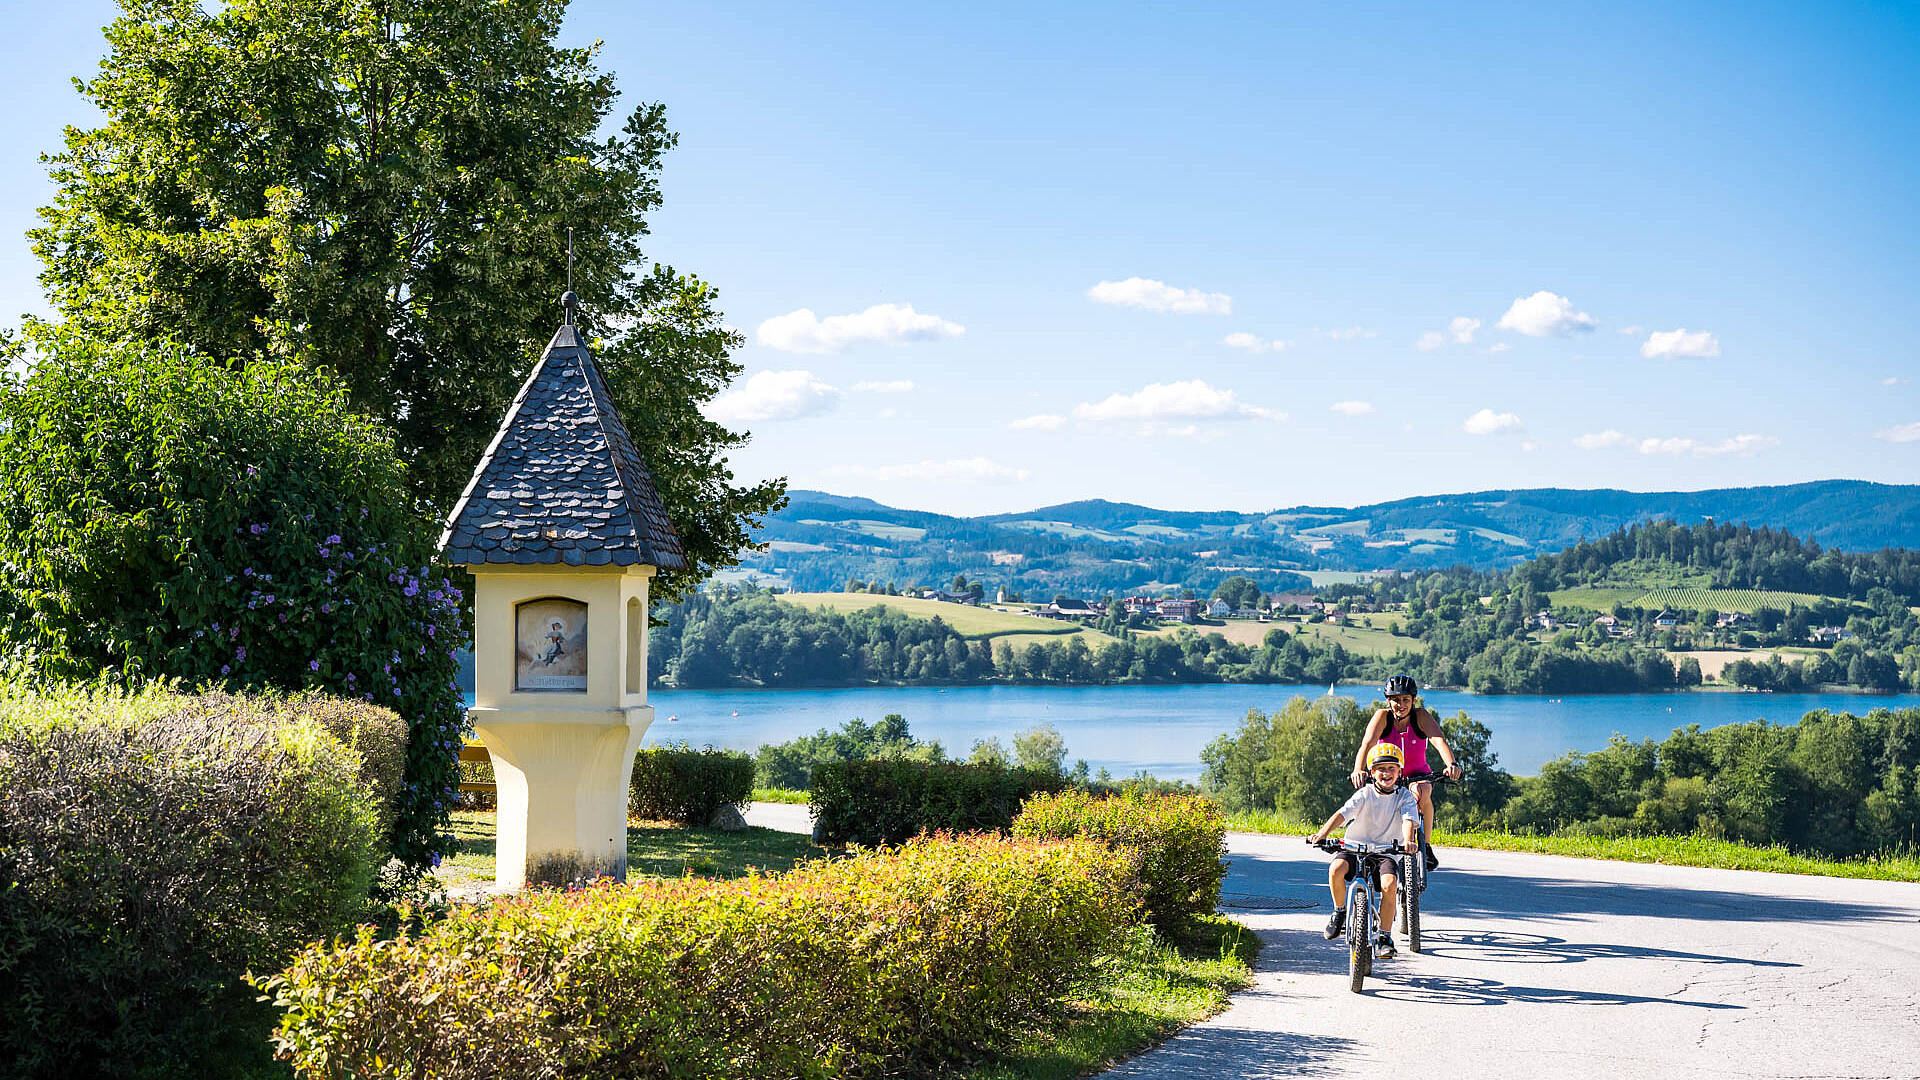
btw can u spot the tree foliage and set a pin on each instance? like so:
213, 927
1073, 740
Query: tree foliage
384, 188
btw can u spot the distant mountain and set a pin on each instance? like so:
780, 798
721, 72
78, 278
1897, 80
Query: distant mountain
820, 540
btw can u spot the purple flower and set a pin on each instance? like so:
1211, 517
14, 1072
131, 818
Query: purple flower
326, 609
240, 655
412, 589
313, 665
429, 629
251, 471
396, 691
283, 616
324, 553
436, 859
224, 669
332, 540
248, 571
232, 632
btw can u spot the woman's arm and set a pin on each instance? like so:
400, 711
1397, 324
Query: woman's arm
1375, 727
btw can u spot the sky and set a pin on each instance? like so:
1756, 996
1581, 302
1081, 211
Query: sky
989, 257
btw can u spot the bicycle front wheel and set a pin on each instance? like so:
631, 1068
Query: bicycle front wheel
1359, 945
1410, 898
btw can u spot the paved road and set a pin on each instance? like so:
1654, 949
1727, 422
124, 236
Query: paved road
1537, 964
1564, 968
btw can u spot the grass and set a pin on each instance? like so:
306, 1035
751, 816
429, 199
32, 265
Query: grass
1667, 850
979, 624
654, 849
1140, 997
779, 795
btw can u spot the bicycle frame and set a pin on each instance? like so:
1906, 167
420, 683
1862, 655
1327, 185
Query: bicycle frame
1363, 905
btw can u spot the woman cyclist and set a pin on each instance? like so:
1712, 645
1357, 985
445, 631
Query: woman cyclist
1410, 728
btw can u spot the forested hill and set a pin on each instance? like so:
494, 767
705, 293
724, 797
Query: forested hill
821, 541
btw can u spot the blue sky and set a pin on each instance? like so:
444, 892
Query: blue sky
999, 256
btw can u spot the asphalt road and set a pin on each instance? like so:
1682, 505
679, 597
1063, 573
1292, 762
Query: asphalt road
1541, 965
1537, 965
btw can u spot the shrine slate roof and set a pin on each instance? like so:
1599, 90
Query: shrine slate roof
562, 482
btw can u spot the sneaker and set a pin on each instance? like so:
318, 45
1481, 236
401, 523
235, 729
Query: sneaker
1433, 861
1383, 947
1336, 923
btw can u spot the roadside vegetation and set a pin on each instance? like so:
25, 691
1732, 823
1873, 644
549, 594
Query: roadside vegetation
1833, 794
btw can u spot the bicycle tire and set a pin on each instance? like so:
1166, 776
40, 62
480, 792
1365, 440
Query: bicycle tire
1410, 899
1359, 944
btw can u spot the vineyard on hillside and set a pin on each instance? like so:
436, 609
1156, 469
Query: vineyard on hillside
1746, 601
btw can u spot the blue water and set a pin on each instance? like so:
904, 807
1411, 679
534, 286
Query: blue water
1162, 729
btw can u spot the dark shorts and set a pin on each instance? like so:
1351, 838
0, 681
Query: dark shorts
1374, 864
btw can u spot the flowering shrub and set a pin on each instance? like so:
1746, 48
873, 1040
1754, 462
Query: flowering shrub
1179, 838
887, 963
153, 849
679, 783
163, 515
888, 800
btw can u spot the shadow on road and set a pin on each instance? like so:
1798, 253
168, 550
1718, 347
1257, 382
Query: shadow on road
1510, 948
1238, 1052
1461, 990
1472, 893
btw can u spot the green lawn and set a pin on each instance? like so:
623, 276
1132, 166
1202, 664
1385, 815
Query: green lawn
1137, 1000
1670, 850
654, 849
970, 622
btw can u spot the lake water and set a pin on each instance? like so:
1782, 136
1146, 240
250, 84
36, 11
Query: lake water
1162, 729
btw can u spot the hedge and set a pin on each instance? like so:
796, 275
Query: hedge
1179, 838
905, 961
887, 801
679, 783
154, 848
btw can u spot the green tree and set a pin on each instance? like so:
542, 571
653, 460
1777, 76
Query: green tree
384, 188
1041, 748
1239, 591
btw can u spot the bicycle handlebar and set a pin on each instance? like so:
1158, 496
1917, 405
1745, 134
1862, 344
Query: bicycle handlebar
1430, 778
1331, 846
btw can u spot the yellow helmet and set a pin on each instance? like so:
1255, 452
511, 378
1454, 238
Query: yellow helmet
1385, 751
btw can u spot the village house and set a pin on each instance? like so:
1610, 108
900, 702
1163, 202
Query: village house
1666, 620
1827, 635
1069, 608
1177, 610
1731, 619
1542, 620
1218, 609
1139, 605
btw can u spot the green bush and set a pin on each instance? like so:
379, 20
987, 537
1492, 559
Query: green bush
888, 801
790, 764
679, 783
155, 849
162, 515
1179, 839
907, 961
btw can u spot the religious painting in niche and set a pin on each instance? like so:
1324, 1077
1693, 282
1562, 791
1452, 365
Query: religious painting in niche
550, 645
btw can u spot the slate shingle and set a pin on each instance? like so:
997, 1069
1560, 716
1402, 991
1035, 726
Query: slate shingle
562, 482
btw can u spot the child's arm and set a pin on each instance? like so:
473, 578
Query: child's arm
1333, 823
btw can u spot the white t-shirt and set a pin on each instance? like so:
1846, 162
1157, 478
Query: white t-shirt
1373, 818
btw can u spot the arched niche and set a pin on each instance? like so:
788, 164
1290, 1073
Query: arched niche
550, 645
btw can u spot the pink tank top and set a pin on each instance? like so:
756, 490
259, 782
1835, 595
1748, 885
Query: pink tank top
1411, 743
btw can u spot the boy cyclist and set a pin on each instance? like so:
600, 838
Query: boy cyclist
1377, 814
1411, 728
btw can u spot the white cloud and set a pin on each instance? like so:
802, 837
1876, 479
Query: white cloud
882, 324
1672, 343
1430, 341
1039, 422
1900, 433
1351, 332
973, 470
1159, 296
774, 395
1487, 422
895, 386
1545, 314
1633, 331
1601, 440
1499, 347
1892, 380
1462, 329
1158, 402
1252, 344
1742, 445
1352, 408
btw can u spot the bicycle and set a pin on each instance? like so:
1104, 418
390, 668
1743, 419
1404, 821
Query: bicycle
1363, 903
1413, 868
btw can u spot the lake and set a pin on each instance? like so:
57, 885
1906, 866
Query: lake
1162, 729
